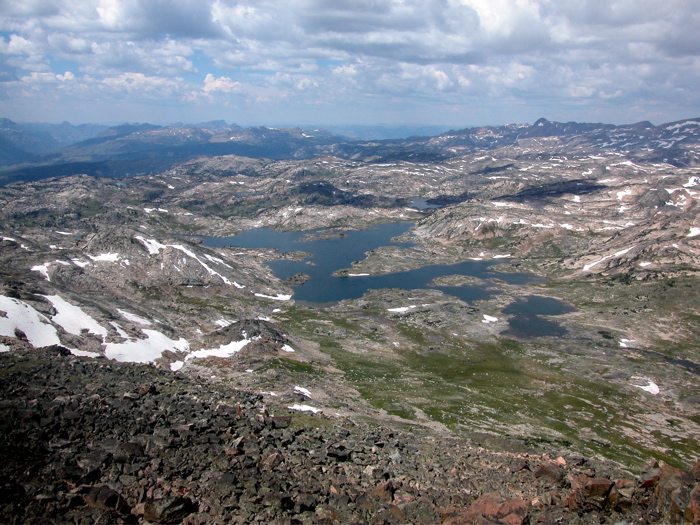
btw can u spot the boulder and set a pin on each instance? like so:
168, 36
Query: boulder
171, 509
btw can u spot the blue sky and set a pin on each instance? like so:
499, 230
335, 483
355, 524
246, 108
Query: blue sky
453, 63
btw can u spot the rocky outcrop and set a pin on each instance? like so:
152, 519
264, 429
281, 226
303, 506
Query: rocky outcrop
93, 441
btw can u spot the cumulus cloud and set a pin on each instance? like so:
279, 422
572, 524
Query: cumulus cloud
529, 55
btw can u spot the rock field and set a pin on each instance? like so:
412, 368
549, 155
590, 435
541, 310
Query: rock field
95, 441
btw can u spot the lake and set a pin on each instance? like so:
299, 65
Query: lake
327, 255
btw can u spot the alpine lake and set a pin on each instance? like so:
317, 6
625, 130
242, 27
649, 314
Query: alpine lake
468, 347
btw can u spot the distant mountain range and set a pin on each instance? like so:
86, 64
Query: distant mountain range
37, 151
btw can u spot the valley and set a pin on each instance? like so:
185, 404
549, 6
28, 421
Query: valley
604, 219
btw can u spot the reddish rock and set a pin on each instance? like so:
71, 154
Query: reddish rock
549, 471
588, 492
621, 494
385, 491
103, 497
489, 508
671, 494
168, 510
692, 509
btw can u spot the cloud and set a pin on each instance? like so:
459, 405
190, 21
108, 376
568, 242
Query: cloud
221, 84
368, 53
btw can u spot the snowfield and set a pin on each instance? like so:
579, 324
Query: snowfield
20, 316
72, 319
144, 350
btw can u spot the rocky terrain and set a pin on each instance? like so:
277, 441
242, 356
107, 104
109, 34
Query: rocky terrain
114, 271
95, 441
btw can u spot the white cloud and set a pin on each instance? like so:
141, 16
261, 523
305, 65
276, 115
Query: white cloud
604, 57
223, 84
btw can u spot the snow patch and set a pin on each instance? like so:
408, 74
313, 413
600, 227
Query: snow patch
134, 318
43, 269
72, 318
79, 263
21, 316
154, 248
692, 181
279, 297
402, 309
226, 350
622, 194
288, 348
145, 350
650, 387
302, 391
694, 232
105, 257
616, 254
489, 319
177, 365
84, 353
305, 408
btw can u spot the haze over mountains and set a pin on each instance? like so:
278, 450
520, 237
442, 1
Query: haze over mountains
36, 151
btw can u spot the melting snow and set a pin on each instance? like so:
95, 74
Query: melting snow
624, 343
401, 309
154, 248
489, 319
177, 365
43, 269
305, 408
226, 350
623, 194
79, 263
650, 387
134, 318
84, 353
120, 331
288, 348
106, 257
144, 350
72, 318
302, 391
616, 254
21, 316
694, 232
692, 181
279, 297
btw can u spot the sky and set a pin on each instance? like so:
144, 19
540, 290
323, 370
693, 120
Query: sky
453, 63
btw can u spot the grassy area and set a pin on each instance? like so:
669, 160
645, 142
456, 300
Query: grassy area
532, 391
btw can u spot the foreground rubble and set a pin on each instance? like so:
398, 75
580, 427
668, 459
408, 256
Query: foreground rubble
96, 441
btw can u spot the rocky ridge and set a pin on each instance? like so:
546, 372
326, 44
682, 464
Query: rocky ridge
94, 441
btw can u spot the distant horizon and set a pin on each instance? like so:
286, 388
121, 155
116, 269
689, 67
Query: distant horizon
318, 63
307, 126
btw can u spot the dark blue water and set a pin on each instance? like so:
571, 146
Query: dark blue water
526, 320
330, 255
